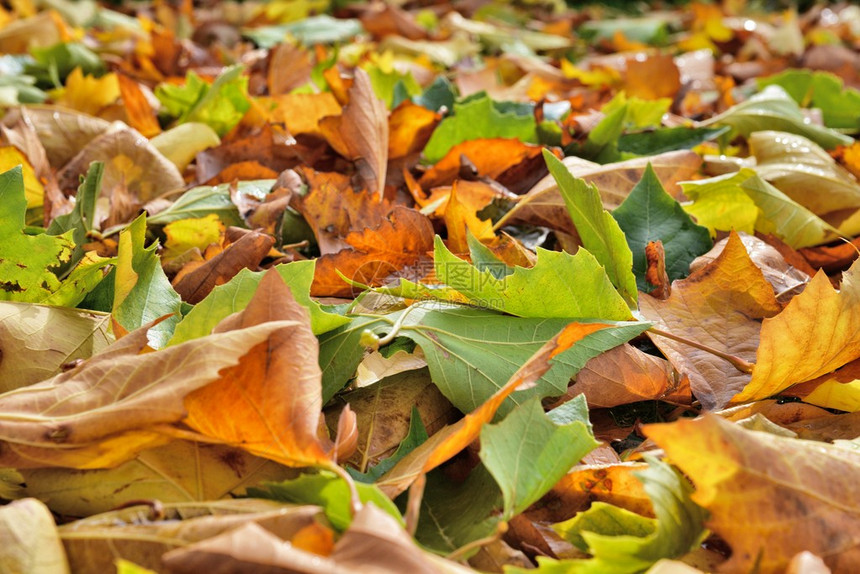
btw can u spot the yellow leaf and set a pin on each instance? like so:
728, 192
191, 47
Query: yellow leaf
769, 497
460, 218
88, 94
818, 332
10, 156
185, 234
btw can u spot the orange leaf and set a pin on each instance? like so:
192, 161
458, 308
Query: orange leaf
459, 219
270, 403
301, 113
639, 80
410, 127
140, 114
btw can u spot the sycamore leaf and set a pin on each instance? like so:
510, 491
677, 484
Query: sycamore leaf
235, 294
374, 542
237, 407
26, 260
341, 352
743, 201
37, 340
720, 306
529, 451
360, 133
30, 540
476, 117
544, 204
142, 292
103, 412
818, 332
550, 289
328, 491
472, 352
838, 104
161, 473
567, 347
599, 232
769, 497
773, 109
621, 541
650, 214
810, 176
220, 106
94, 544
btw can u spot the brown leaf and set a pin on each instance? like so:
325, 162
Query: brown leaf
360, 133
193, 285
721, 306
109, 408
655, 272
301, 113
63, 132
769, 497
402, 237
270, 147
289, 68
543, 204
333, 208
270, 403
622, 375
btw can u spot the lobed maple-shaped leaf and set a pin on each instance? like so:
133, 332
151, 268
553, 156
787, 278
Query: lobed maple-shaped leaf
721, 306
559, 285
769, 497
26, 260
818, 332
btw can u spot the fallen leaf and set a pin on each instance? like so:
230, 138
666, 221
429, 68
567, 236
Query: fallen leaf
238, 408
360, 133
641, 72
30, 540
772, 501
461, 220
719, 306
409, 127
815, 334
138, 111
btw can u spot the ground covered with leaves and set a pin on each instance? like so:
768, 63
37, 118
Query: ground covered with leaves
328, 286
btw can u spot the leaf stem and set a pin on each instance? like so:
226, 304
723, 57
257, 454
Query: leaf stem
501, 528
738, 363
354, 500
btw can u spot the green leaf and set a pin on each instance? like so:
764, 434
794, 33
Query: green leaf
327, 490
234, 296
528, 452
201, 201
649, 214
839, 105
661, 140
773, 109
478, 117
53, 63
744, 202
142, 292
81, 218
84, 278
384, 84
321, 29
622, 542
552, 288
416, 435
599, 232
455, 514
648, 29
341, 352
441, 93
220, 106
472, 353
26, 260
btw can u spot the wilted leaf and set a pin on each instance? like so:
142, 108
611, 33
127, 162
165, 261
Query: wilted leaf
103, 412
542, 447
818, 332
37, 340
546, 290
31, 544
769, 497
649, 214
160, 473
599, 232
360, 133
26, 260
719, 306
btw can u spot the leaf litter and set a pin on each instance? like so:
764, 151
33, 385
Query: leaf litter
434, 288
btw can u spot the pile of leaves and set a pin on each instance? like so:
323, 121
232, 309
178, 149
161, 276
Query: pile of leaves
429, 287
